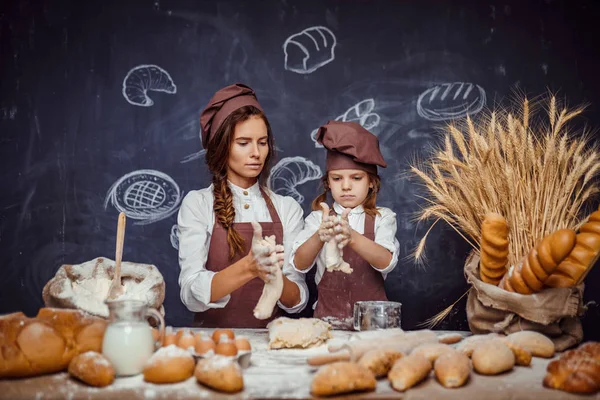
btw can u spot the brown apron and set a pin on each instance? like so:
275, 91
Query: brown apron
337, 291
238, 313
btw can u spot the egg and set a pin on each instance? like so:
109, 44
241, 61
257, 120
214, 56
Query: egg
226, 347
186, 340
204, 345
169, 339
242, 344
218, 332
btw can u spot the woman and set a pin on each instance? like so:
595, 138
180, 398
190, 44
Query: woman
223, 270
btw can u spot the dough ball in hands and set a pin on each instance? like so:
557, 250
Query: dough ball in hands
220, 373
342, 377
169, 365
92, 368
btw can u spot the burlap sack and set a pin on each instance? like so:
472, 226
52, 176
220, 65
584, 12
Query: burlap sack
552, 311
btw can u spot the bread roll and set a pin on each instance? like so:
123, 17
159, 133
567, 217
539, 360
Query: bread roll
169, 365
492, 357
468, 345
46, 343
92, 368
534, 342
522, 356
342, 377
379, 361
574, 268
493, 248
220, 373
432, 351
409, 371
450, 338
592, 349
575, 371
452, 369
530, 275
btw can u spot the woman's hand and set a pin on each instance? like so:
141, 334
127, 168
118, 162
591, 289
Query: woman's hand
265, 255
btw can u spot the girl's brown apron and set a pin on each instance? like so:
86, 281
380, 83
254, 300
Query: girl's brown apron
337, 291
238, 313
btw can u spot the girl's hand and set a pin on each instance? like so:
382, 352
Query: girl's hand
343, 230
265, 255
326, 232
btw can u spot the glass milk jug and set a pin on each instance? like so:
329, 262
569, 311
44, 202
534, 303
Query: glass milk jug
128, 342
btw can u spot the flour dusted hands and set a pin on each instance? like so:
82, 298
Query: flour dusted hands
267, 255
333, 248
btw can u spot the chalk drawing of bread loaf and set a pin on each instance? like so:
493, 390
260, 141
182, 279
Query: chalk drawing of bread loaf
309, 50
450, 101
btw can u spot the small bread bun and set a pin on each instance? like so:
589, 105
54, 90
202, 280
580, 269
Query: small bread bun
92, 368
169, 365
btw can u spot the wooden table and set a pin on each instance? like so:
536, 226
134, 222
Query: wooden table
285, 374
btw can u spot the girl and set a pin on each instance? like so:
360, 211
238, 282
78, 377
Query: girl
223, 269
365, 232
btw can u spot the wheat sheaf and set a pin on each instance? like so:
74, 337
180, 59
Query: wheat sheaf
535, 172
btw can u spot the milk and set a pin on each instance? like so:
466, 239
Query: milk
128, 345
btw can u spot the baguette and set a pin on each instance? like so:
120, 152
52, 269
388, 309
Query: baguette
47, 343
573, 269
530, 275
493, 248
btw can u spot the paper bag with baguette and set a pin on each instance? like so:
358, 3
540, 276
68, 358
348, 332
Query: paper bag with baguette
552, 311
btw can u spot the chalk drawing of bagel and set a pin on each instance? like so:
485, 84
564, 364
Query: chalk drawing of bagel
291, 172
309, 50
450, 101
360, 113
146, 196
145, 78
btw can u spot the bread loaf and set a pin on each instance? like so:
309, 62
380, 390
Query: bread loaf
169, 364
92, 368
576, 371
493, 248
220, 373
342, 377
452, 369
574, 268
46, 343
432, 351
408, 371
530, 275
492, 357
534, 342
379, 361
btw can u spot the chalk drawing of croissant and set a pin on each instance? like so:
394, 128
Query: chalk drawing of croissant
361, 113
309, 50
144, 78
291, 172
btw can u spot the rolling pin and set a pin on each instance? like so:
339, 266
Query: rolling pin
353, 350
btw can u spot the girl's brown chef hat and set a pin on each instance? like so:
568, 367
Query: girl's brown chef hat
222, 104
350, 146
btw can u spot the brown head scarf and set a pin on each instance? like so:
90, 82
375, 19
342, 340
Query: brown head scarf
224, 102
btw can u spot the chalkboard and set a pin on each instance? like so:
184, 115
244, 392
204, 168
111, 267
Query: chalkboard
100, 102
